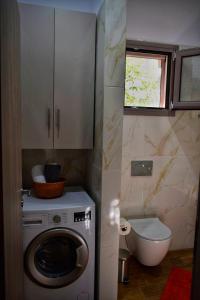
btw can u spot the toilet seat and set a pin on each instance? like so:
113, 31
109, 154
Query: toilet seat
150, 229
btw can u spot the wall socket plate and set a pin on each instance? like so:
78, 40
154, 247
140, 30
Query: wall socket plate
141, 168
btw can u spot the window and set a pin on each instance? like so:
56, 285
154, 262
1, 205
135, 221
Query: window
161, 79
187, 79
148, 77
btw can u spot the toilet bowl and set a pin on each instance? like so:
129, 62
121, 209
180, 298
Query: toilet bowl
151, 239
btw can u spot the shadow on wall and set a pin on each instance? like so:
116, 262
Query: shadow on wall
73, 162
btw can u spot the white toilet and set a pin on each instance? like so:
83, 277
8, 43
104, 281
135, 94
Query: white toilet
151, 240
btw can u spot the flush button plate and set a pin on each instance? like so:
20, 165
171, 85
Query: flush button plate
141, 167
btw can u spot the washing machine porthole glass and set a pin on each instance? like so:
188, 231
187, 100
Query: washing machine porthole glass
56, 257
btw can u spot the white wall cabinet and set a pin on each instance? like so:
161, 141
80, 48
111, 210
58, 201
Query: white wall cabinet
58, 62
74, 79
37, 64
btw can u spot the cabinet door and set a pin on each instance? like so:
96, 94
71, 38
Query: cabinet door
37, 56
187, 79
74, 79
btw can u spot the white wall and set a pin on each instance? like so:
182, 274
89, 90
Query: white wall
78, 5
171, 21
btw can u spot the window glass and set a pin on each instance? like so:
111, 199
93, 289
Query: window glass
190, 79
145, 83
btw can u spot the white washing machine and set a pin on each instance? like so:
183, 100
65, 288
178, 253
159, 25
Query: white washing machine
59, 247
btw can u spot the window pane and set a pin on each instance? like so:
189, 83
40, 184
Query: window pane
190, 79
143, 81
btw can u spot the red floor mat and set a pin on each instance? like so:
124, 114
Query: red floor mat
178, 285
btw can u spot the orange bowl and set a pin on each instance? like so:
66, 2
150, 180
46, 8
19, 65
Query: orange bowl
49, 190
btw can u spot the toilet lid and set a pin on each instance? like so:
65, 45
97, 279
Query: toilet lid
150, 229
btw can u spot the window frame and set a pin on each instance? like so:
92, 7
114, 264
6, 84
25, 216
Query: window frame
159, 49
177, 104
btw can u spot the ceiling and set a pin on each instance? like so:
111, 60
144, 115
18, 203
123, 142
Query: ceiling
79, 5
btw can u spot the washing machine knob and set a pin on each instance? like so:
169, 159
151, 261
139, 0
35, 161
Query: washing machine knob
56, 219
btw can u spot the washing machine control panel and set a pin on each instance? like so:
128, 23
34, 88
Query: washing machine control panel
57, 218
82, 216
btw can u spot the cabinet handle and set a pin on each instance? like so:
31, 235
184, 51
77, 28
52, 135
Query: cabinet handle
49, 121
58, 122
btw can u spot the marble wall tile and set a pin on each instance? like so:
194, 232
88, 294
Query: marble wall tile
167, 171
115, 40
111, 180
104, 164
133, 137
179, 134
161, 140
109, 271
176, 207
157, 136
187, 131
112, 138
172, 190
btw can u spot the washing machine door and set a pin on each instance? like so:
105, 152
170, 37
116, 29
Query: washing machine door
56, 257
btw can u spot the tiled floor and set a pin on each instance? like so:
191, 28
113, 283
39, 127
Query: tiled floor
147, 283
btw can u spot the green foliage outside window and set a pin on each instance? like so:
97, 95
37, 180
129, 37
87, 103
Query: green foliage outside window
142, 85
